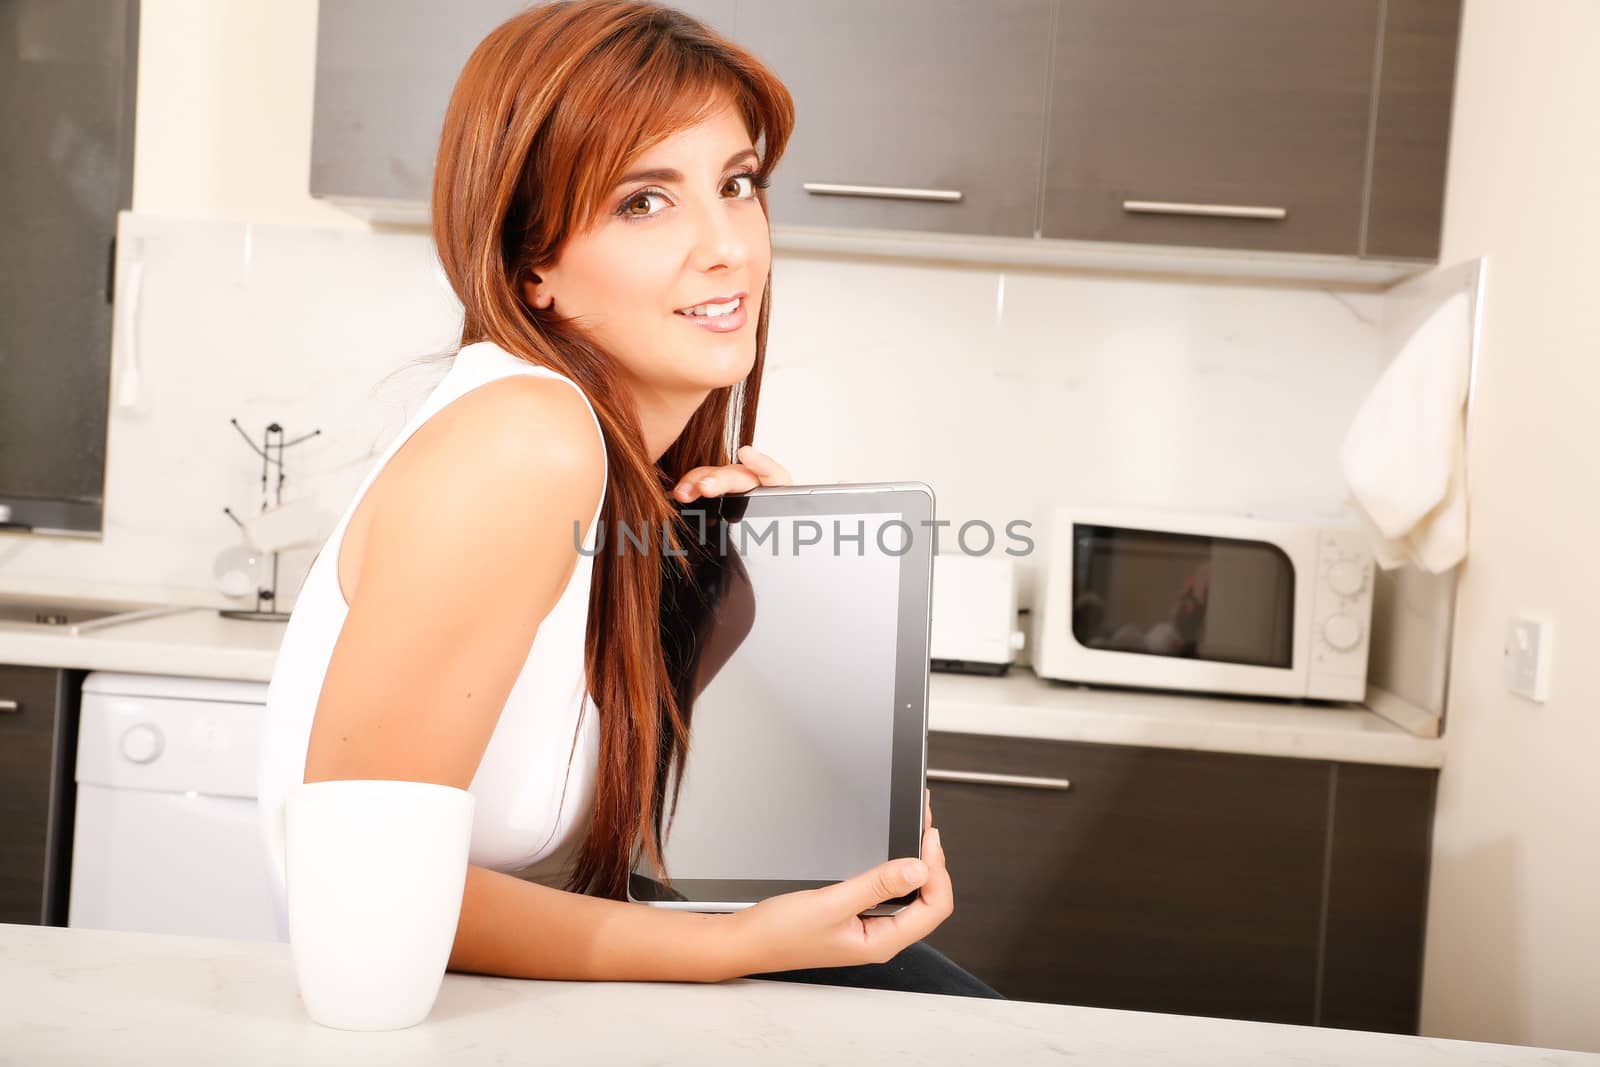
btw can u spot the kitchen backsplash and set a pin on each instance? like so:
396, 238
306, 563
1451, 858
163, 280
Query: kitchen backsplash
1004, 390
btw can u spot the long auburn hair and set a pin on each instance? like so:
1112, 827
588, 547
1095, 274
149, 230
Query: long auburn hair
548, 114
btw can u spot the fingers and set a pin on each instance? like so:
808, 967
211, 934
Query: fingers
756, 468
715, 481
898, 877
883, 882
770, 470
927, 809
887, 934
937, 887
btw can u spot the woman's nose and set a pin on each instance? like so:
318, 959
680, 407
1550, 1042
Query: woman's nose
718, 239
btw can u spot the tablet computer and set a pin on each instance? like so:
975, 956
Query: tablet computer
801, 653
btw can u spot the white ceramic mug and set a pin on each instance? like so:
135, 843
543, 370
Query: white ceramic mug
375, 871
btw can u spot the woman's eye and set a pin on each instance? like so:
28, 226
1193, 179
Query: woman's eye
638, 198
751, 178
755, 179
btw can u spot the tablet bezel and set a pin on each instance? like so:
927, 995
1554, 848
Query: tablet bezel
914, 503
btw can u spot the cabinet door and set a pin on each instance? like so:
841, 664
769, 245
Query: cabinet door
35, 758
1377, 898
909, 114
1161, 880
67, 77
1411, 138
1219, 123
385, 70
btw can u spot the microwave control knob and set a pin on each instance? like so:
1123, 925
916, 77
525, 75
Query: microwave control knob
1342, 632
142, 743
1346, 578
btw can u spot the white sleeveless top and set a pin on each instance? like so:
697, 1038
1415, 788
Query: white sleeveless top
531, 812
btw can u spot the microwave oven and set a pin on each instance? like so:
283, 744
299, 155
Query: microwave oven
1206, 603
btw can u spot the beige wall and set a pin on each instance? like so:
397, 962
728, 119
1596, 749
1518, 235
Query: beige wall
223, 128
1514, 931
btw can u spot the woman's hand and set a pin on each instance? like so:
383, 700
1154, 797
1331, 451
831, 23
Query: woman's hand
823, 927
755, 468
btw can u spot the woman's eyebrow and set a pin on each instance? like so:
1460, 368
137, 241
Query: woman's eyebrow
667, 174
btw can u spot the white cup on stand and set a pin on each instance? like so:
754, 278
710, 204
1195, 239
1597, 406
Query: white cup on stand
375, 872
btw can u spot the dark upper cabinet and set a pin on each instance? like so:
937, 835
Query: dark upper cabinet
910, 114
384, 75
1219, 123
385, 70
1253, 124
1411, 137
1197, 883
1259, 125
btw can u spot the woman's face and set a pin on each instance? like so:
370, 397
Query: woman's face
691, 233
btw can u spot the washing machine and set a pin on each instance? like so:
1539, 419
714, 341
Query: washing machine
165, 838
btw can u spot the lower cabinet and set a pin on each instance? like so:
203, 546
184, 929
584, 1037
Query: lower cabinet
38, 750
1196, 883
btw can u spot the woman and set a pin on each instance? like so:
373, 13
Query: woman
597, 208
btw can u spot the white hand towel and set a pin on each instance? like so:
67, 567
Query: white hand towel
1405, 453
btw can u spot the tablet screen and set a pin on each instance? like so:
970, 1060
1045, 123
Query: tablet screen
798, 662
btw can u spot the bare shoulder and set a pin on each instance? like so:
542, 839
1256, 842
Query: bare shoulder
522, 422
521, 445
509, 468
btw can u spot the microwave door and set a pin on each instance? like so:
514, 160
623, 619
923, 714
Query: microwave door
1249, 614
1180, 610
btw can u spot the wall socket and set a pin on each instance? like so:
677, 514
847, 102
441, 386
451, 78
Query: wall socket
1527, 657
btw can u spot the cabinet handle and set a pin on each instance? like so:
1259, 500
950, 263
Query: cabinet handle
1215, 211
983, 778
886, 192
10, 705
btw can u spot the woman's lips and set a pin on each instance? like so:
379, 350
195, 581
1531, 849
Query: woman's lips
719, 323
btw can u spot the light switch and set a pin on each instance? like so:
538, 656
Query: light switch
1527, 657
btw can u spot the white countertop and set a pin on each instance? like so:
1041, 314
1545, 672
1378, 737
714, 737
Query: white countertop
1020, 704
91, 996
198, 642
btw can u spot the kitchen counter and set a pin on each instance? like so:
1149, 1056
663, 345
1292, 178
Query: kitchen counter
200, 643
92, 996
1021, 704
197, 642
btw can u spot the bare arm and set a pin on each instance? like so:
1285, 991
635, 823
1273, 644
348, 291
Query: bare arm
527, 930
471, 543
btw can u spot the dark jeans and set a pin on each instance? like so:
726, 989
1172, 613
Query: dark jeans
919, 968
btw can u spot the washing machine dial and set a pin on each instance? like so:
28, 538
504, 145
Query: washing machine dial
143, 742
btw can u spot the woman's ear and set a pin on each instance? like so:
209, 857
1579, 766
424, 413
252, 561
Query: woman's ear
536, 292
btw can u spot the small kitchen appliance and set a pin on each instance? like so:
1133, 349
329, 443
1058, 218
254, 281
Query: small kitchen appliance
1212, 603
974, 628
